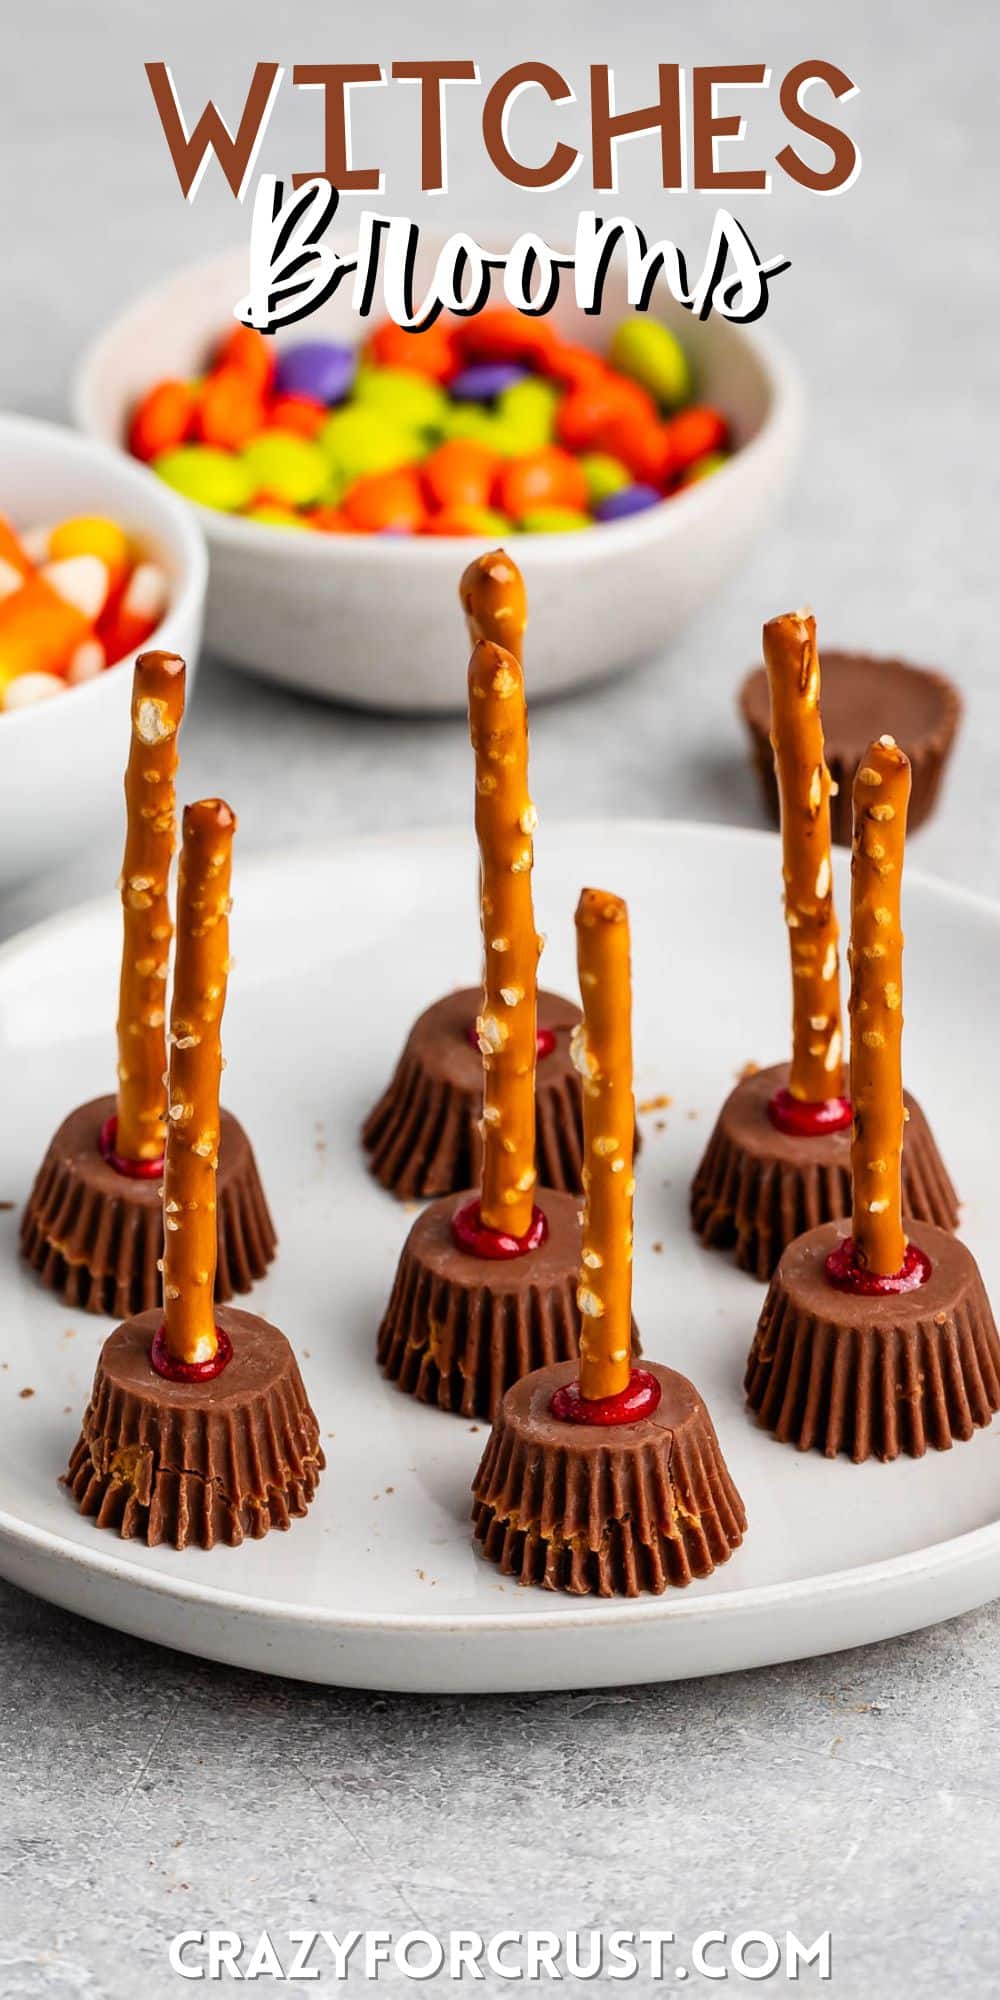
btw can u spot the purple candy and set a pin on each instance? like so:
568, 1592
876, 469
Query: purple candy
486, 381
628, 500
322, 369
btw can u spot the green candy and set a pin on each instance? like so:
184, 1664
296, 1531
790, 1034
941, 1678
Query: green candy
399, 393
527, 412
604, 475
356, 441
703, 468
484, 520
646, 351
213, 478
286, 467
553, 521
470, 420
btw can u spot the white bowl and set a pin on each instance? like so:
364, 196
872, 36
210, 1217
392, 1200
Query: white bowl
61, 762
373, 619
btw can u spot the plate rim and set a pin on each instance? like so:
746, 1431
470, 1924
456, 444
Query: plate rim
955, 1552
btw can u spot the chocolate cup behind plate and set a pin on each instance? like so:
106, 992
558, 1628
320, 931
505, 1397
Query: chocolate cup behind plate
605, 1511
96, 1237
834, 1372
458, 1330
423, 1134
864, 697
196, 1463
757, 1189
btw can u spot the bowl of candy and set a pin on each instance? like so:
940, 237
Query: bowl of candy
345, 470
98, 559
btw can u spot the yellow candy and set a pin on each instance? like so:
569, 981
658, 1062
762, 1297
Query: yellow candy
91, 535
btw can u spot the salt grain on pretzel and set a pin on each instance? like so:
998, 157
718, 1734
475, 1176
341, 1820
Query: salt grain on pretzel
603, 1051
506, 1027
881, 797
494, 601
192, 1152
817, 1068
157, 708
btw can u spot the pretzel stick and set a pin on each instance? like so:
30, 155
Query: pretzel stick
192, 1158
805, 785
157, 708
506, 1028
881, 797
494, 602
602, 1051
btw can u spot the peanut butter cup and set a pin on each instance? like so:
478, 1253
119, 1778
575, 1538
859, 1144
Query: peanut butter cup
777, 1160
863, 695
92, 1227
876, 1338
198, 1429
600, 1477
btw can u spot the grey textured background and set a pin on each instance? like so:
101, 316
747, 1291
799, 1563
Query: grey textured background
142, 1793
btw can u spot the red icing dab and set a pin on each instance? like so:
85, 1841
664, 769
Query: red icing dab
165, 1364
848, 1276
545, 1040
639, 1400
471, 1233
134, 1170
802, 1120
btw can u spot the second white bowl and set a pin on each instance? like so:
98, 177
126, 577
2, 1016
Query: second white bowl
61, 762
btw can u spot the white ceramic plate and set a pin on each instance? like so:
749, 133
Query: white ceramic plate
381, 1585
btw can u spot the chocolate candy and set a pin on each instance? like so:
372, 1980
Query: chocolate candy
509, 385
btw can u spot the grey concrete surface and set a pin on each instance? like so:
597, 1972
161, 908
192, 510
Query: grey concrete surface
143, 1794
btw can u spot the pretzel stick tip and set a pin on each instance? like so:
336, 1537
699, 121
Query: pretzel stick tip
494, 601
505, 823
881, 798
192, 1150
602, 1052
158, 684
805, 788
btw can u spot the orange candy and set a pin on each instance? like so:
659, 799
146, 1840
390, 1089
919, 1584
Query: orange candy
252, 353
575, 367
39, 630
386, 500
163, 420
547, 478
590, 412
330, 521
644, 447
231, 409
433, 353
694, 432
460, 474
501, 333
301, 414
133, 612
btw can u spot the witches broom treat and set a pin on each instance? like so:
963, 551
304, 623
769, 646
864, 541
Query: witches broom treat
198, 1428
93, 1225
880, 1341
485, 1284
863, 695
778, 1161
423, 1135
598, 1476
